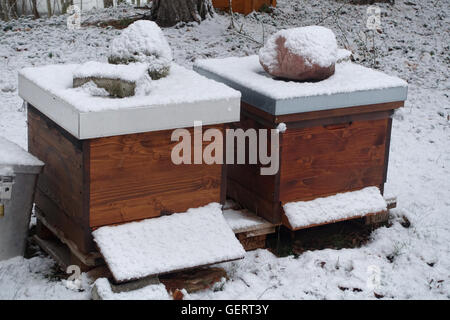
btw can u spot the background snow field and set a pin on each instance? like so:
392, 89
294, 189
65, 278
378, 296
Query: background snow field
413, 258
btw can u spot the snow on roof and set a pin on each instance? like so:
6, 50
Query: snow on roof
316, 44
337, 207
180, 86
128, 72
194, 238
248, 72
13, 155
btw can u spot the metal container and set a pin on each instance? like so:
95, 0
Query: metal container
18, 175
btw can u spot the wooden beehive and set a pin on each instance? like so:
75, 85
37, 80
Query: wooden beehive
243, 6
113, 165
337, 137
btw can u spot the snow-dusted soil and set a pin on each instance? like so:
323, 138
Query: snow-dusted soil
411, 262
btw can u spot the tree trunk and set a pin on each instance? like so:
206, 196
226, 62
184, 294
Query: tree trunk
34, 8
2, 14
167, 13
49, 8
108, 3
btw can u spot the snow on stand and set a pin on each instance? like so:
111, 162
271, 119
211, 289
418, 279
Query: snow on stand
339, 207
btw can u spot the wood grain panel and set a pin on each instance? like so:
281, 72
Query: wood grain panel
62, 178
243, 6
132, 177
323, 160
267, 208
247, 186
79, 234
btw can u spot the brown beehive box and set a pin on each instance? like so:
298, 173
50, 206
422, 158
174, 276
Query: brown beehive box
108, 161
337, 137
243, 6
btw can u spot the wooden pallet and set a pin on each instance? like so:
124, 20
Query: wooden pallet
383, 217
55, 243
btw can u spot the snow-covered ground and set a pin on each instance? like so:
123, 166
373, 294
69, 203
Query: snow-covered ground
413, 44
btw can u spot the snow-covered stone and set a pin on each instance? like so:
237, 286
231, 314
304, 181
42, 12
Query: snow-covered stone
143, 41
305, 53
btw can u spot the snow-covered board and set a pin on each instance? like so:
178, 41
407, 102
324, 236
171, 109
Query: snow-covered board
175, 101
198, 237
339, 207
351, 85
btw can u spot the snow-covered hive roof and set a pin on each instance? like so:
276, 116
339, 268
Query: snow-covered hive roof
351, 85
175, 101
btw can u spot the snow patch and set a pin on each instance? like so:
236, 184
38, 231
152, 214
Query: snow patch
151, 292
282, 127
92, 89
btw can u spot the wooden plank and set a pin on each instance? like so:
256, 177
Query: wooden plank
257, 232
375, 215
387, 146
247, 186
57, 250
60, 191
269, 210
253, 243
300, 189
91, 258
314, 115
391, 202
81, 236
132, 177
62, 177
339, 120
